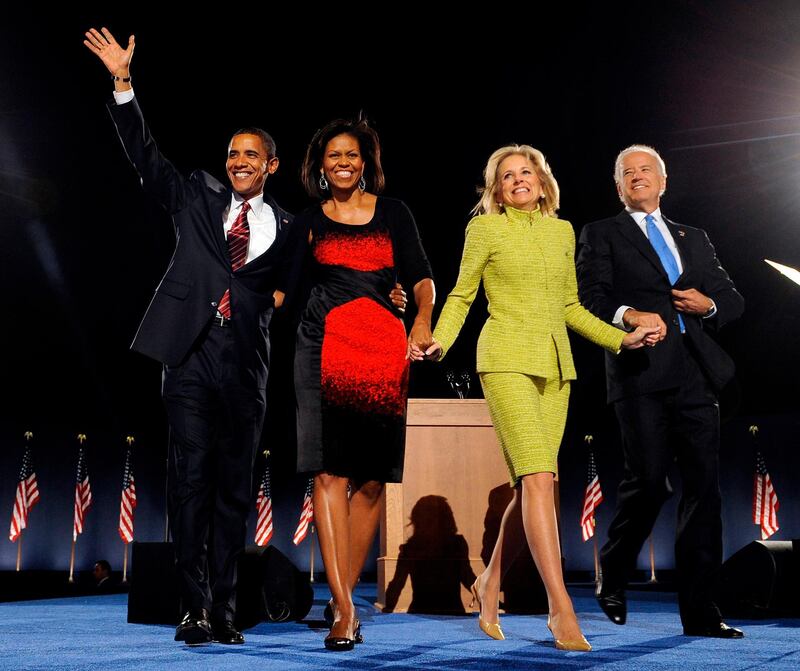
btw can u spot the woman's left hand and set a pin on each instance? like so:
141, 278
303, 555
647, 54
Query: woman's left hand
643, 335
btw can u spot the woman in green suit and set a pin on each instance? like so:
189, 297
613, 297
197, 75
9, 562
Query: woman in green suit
525, 257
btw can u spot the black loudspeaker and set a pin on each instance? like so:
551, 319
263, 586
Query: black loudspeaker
270, 587
153, 597
761, 580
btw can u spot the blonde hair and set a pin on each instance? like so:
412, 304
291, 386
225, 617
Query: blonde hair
488, 202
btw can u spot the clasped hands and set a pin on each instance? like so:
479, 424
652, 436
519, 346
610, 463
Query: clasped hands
649, 327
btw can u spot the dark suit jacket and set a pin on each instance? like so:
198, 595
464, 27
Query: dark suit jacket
618, 266
200, 269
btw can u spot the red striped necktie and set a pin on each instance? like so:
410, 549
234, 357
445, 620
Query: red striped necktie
238, 239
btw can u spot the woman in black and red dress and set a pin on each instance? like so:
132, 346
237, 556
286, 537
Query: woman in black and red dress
351, 362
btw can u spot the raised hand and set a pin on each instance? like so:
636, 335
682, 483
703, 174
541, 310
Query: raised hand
103, 45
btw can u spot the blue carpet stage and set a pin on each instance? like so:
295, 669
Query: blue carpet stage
92, 633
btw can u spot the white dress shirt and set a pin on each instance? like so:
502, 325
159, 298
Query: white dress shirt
261, 220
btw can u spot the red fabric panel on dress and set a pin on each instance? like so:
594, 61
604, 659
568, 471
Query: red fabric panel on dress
370, 251
363, 359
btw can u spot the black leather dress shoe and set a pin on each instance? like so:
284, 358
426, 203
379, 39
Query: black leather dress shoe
714, 630
225, 632
194, 629
614, 605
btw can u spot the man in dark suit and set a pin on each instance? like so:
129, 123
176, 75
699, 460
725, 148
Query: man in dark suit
639, 268
208, 324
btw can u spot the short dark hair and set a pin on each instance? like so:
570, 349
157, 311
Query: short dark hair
266, 138
103, 564
368, 143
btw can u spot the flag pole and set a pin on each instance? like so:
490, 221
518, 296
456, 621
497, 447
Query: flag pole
125, 564
652, 560
72, 563
81, 438
129, 441
588, 439
28, 436
312, 553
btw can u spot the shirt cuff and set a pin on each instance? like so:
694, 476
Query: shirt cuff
618, 318
122, 97
711, 312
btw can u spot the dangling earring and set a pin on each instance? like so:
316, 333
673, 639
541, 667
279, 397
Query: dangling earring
323, 183
362, 184
541, 196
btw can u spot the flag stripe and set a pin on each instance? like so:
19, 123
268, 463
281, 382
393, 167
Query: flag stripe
306, 514
25, 497
765, 500
592, 498
83, 495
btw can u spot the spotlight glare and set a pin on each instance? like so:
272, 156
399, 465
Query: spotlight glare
792, 273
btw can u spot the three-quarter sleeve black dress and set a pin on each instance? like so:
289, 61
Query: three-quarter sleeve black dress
351, 374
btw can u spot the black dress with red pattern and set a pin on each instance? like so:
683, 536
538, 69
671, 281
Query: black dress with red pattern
351, 374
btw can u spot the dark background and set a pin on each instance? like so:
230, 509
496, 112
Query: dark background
715, 87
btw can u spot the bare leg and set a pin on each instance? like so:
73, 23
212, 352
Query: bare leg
331, 515
541, 530
364, 517
510, 542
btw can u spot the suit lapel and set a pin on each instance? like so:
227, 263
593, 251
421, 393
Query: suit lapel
629, 230
218, 206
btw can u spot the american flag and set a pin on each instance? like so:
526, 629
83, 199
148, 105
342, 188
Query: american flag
27, 496
264, 510
128, 501
765, 500
591, 499
83, 495
306, 514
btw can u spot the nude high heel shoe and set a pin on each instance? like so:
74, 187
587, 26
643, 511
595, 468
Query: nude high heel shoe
572, 645
491, 630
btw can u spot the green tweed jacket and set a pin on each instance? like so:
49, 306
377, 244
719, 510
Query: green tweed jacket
527, 264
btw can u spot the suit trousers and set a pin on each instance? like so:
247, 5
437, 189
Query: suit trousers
675, 425
215, 426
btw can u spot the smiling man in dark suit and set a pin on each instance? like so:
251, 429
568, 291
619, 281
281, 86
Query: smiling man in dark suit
639, 268
208, 324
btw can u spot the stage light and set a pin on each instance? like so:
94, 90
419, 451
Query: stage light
790, 272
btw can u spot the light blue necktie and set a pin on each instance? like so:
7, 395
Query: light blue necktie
664, 253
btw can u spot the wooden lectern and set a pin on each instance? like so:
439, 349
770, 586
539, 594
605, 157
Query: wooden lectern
439, 526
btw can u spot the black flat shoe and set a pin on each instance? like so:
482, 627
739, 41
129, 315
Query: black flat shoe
714, 630
224, 632
194, 629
